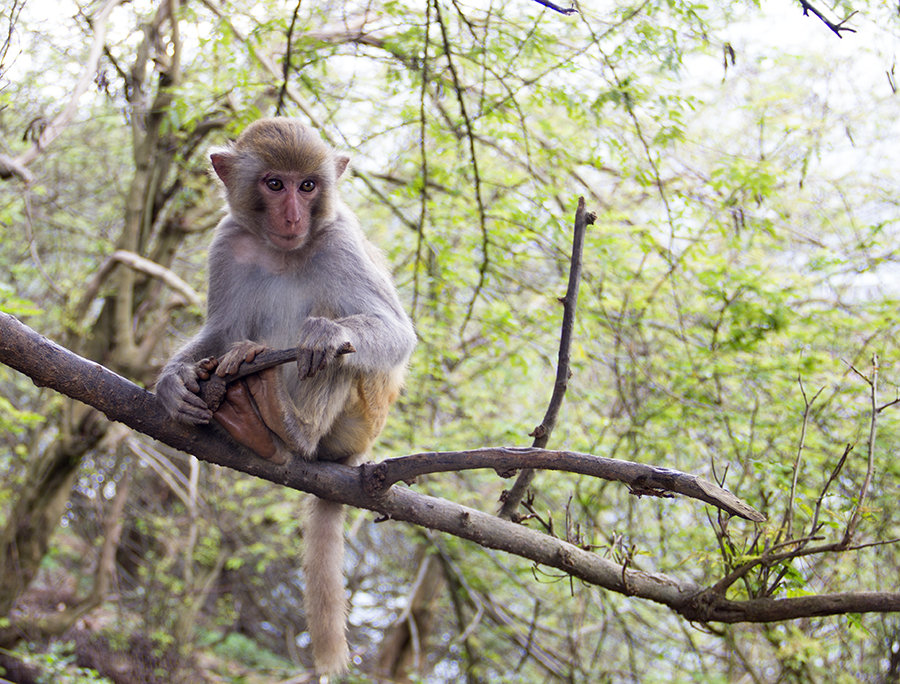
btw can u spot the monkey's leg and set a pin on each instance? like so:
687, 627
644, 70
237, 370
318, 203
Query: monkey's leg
240, 418
274, 405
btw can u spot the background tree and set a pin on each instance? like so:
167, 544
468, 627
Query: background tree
738, 282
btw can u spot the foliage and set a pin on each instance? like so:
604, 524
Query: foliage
738, 285
57, 666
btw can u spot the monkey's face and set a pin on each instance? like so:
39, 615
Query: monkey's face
287, 203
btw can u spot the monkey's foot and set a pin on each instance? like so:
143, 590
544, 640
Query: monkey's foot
240, 418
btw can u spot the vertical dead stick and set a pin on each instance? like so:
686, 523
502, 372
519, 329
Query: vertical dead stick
542, 432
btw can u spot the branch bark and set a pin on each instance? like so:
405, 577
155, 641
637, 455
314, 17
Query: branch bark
50, 365
542, 432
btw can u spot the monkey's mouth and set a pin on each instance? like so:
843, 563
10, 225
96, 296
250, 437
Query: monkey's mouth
286, 240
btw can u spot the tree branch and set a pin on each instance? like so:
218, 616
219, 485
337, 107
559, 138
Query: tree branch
9, 167
642, 479
556, 8
570, 303
138, 263
835, 28
50, 365
52, 130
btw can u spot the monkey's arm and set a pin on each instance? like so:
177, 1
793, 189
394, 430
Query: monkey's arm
383, 339
178, 385
359, 304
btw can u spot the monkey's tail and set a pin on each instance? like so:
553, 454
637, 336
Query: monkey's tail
326, 602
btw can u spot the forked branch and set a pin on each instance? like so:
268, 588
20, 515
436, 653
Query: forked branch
50, 365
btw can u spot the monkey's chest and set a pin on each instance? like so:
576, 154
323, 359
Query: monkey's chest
274, 309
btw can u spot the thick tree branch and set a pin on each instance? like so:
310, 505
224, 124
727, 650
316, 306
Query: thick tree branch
643, 479
9, 167
50, 365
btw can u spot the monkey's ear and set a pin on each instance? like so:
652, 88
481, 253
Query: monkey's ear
222, 165
340, 165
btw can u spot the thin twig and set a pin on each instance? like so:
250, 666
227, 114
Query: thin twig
814, 523
835, 28
286, 69
556, 8
423, 153
870, 465
788, 522
476, 175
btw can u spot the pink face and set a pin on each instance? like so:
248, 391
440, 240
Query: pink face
289, 199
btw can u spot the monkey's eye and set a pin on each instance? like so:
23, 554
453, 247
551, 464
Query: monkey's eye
274, 184
308, 185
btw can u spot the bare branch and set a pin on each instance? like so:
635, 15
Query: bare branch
50, 365
9, 167
643, 479
556, 8
788, 521
835, 28
138, 263
570, 303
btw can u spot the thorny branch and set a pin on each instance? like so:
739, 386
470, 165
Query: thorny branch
791, 548
870, 449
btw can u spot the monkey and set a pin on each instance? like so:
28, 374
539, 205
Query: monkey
289, 266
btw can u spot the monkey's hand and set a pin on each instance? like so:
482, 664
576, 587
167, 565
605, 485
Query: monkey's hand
239, 353
321, 341
177, 389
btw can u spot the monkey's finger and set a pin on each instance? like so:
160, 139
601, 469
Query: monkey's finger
329, 354
193, 410
191, 398
304, 362
190, 383
251, 352
229, 365
206, 366
194, 416
318, 361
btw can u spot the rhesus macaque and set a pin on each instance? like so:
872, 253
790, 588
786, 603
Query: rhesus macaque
289, 267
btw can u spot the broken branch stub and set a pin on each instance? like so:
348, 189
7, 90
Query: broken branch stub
212, 389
